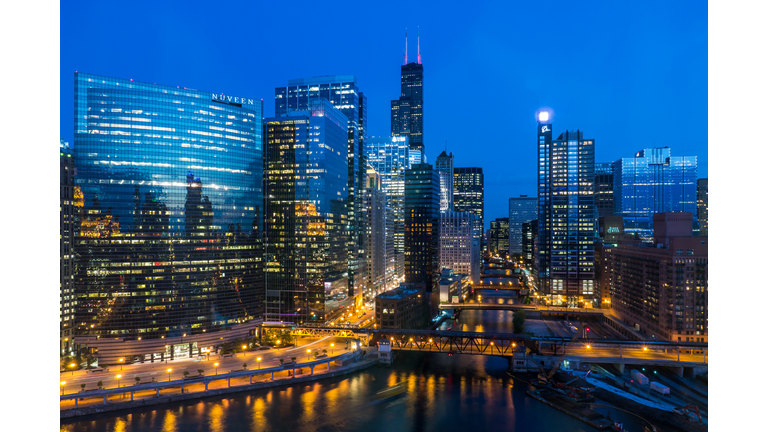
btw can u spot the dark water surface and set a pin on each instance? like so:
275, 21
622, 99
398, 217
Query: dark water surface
444, 393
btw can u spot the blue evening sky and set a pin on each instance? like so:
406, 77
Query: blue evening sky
628, 74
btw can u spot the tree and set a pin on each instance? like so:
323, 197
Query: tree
138, 380
245, 365
518, 321
186, 373
317, 353
89, 359
293, 359
100, 384
82, 387
281, 362
325, 351
200, 371
66, 361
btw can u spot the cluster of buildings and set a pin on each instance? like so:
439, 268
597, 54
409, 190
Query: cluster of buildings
630, 235
188, 219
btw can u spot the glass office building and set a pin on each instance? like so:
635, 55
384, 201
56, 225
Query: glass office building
305, 180
604, 189
444, 168
344, 94
422, 226
168, 242
566, 261
469, 196
702, 205
521, 209
653, 181
67, 223
498, 241
407, 116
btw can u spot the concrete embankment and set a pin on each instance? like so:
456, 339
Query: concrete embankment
116, 406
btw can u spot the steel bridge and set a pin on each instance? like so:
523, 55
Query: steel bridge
328, 331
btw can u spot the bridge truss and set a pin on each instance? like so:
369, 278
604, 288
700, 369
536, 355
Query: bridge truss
454, 342
324, 331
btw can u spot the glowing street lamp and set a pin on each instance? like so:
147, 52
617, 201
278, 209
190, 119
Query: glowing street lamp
308, 354
121, 363
243, 350
331, 349
217, 368
169, 374
62, 387
72, 365
258, 362
118, 380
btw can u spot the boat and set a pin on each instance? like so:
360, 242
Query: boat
390, 392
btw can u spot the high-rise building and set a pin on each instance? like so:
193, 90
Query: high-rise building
702, 205
67, 221
499, 237
603, 188
344, 94
394, 270
459, 247
374, 211
168, 251
422, 222
566, 213
407, 117
389, 156
661, 287
469, 196
653, 181
521, 209
530, 231
305, 180
444, 168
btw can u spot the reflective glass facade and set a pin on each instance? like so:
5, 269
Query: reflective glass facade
67, 221
469, 196
604, 189
499, 237
168, 241
344, 94
702, 205
652, 182
422, 226
521, 209
305, 180
444, 168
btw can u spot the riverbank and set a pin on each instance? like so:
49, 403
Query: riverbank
369, 361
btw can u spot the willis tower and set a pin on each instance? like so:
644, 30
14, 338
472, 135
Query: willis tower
407, 112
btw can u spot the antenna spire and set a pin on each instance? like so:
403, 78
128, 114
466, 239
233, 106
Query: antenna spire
418, 47
406, 47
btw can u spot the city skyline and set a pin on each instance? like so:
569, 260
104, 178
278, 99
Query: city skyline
654, 99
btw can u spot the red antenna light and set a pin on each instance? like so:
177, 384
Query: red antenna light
406, 47
418, 48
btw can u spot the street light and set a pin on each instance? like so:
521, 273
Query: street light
243, 350
121, 363
118, 380
62, 387
331, 349
308, 354
169, 374
72, 365
258, 361
217, 368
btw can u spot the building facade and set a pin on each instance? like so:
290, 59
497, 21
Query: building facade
566, 214
521, 209
469, 196
530, 231
604, 189
407, 116
67, 222
444, 168
422, 222
343, 92
374, 210
653, 181
305, 180
661, 288
459, 247
499, 237
168, 244
702, 205
401, 308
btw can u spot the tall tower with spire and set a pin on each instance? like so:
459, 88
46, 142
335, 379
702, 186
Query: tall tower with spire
407, 118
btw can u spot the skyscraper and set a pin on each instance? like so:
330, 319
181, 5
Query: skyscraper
702, 205
444, 168
169, 242
67, 208
530, 231
408, 111
459, 247
305, 179
604, 189
422, 222
374, 209
469, 196
566, 213
653, 181
499, 237
389, 156
344, 94
521, 209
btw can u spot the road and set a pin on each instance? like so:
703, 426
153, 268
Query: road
158, 370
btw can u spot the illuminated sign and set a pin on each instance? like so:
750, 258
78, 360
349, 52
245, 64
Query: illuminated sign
613, 230
545, 129
231, 99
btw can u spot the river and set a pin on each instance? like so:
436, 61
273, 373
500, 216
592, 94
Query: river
444, 393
